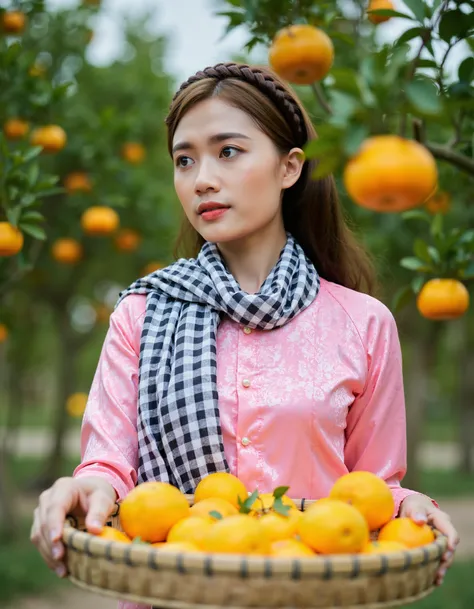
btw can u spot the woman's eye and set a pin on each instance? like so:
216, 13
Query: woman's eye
183, 161
228, 152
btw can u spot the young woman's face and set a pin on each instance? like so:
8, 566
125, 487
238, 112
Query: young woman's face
228, 174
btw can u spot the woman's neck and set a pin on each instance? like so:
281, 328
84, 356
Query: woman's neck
250, 260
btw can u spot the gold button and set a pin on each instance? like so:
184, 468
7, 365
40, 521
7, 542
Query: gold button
246, 383
245, 441
247, 330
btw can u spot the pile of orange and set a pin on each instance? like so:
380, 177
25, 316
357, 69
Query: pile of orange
356, 517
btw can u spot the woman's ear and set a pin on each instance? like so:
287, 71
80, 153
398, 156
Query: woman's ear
293, 164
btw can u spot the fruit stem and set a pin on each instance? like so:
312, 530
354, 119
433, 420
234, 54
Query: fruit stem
318, 93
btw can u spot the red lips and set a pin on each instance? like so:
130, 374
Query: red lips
210, 206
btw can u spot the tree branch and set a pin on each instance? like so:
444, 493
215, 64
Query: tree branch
318, 93
446, 154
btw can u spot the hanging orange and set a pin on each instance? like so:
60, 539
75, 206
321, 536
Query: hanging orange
133, 152
100, 220
13, 22
443, 299
301, 54
11, 239
51, 137
66, 251
77, 181
390, 174
15, 128
379, 5
127, 240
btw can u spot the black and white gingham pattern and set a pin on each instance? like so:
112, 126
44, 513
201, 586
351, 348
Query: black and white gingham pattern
179, 434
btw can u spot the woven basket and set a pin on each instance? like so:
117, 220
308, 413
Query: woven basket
141, 574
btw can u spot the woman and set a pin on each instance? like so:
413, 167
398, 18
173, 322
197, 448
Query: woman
263, 354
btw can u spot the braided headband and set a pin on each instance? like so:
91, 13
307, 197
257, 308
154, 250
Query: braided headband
264, 82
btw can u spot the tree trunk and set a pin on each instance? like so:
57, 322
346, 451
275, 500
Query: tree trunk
466, 403
422, 360
66, 377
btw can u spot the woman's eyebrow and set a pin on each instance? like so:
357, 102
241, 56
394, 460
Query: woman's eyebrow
219, 137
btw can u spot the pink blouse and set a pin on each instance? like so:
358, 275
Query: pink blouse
300, 405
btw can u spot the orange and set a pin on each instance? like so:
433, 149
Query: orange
151, 267
76, 404
151, 509
11, 239
442, 299
100, 220
66, 251
264, 503
77, 181
214, 504
193, 529
13, 22
369, 494
239, 534
15, 128
223, 485
290, 548
277, 526
408, 532
102, 313
37, 70
127, 240
177, 546
439, 203
333, 527
111, 534
133, 152
390, 174
379, 5
381, 547
301, 54
3, 333
51, 137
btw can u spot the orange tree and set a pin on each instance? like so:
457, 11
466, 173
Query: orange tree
109, 218
394, 117
389, 117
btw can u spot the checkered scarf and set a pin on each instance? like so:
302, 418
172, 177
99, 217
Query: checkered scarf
179, 434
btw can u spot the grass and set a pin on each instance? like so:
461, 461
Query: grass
22, 570
456, 591
446, 484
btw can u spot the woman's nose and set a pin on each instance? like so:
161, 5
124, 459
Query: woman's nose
207, 178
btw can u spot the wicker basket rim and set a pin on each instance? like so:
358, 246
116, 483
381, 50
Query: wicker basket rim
143, 555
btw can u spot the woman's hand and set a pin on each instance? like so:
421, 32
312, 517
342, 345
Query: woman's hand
421, 510
91, 496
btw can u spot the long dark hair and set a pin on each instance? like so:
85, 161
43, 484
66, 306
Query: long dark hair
311, 209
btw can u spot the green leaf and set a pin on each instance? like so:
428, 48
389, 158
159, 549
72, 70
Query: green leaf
416, 214
466, 70
423, 95
402, 297
388, 12
468, 272
437, 225
280, 508
417, 283
32, 217
413, 32
31, 154
354, 138
215, 514
421, 250
246, 506
33, 173
13, 215
417, 7
280, 491
453, 24
467, 237
34, 230
325, 167
434, 254
346, 80
414, 264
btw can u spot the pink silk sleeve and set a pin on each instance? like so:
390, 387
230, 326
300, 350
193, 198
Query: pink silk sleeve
109, 446
376, 423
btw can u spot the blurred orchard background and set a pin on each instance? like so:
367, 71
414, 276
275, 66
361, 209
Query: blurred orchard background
87, 205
